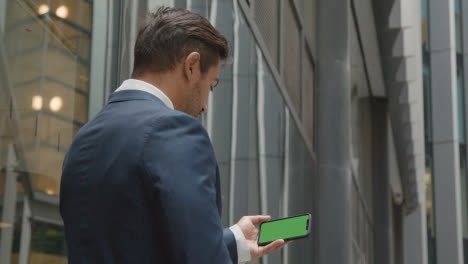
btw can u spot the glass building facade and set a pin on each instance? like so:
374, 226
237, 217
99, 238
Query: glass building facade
260, 118
459, 25
44, 94
61, 59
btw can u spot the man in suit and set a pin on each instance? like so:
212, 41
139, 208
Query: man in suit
140, 181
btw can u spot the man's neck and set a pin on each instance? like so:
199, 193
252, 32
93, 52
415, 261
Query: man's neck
165, 83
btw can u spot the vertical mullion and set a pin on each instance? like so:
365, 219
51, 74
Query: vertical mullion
25, 240
447, 198
261, 132
286, 178
97, 82
235, 87
464, 48
213, 17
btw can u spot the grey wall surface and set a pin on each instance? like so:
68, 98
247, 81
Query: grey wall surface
446, 175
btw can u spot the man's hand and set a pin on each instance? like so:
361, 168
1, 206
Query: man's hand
247, 225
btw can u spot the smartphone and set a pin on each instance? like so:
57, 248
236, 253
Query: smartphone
290, 228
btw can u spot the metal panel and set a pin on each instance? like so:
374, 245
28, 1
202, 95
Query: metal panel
292, 56
274, 71
265, 14
308, 98
308, 10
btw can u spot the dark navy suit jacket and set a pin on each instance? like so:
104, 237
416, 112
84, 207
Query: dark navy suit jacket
140, 184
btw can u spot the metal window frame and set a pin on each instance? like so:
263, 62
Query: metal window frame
235, 105
99, 56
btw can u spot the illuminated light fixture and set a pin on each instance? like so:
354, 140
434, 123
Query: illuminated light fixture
50, 192
62, 11
43, 9
56, 103
5, 225
37, 102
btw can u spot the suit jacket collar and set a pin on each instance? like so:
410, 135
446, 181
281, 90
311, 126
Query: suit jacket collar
135, 84
130, 95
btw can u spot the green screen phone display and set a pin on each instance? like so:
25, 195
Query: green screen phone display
287, 228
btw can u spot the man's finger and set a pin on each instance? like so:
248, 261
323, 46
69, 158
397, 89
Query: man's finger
273, 246
258, 219
282, 246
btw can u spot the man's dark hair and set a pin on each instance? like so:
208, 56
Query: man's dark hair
170, 34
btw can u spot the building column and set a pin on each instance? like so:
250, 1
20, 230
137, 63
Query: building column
9, 208
446, 173
464, 37
25, 241
413, 229
333, 214
414, 236
398, 244
381, 184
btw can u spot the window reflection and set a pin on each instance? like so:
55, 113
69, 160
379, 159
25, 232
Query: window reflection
47, 49
47, 244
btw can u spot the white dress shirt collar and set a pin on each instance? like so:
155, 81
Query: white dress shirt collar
134, 84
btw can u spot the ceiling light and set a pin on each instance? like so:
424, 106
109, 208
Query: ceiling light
43, 9
37, 102
56, 104
62, 11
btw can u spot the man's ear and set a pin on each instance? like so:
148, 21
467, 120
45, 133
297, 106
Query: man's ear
192, 67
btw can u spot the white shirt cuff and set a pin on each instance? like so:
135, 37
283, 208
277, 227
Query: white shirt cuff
243, 252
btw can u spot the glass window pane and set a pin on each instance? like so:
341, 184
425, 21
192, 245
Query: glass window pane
271, 127
47, 244
47, 49
300, 168
292, 57
264, 11
245, 159
309, 17
44, 93
219, 116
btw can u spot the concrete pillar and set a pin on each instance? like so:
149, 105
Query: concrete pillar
464, 26
446, 173
414, 225
9, 208
25, 241
381, 185
414, 236
398, 247
333, 216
